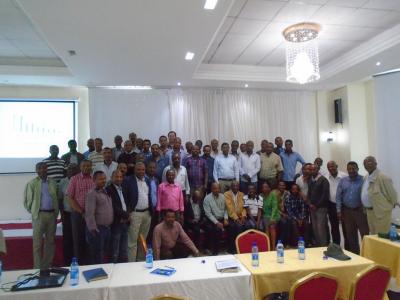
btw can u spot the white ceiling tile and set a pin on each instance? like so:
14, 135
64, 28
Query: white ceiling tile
347, 33
275, 29
210, 52
224, 29
373, 18
347, 3
261, 9
276, 58
230, 48
317, 2
258, 49
236, 8
247, 27
383, 4
329, 14
15, 32
296, 12
10, 52
31, 44
35, 52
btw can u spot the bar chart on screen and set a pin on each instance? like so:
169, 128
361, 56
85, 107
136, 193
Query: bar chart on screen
28, 128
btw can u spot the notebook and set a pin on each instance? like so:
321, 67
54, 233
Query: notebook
227, 266
95, 274
164, 272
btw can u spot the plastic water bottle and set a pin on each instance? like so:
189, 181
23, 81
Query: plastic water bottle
149, 258
301, 249
393, 233
1, 269
74, 272
280, 253
254, 255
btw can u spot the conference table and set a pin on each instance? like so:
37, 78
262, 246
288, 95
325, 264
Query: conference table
196, 278
383, 252
271, 277
96, 290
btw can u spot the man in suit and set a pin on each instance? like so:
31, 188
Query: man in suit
119, 228
40, 200
140, 208
194, 215
378, 197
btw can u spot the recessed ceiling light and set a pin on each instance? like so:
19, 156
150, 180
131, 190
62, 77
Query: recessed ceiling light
378, 63
189, 55
210, 4
246, 85
178, 84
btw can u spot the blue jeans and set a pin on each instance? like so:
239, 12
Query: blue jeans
119, 242
98, 244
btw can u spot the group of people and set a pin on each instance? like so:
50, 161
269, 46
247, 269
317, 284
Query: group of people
114, 199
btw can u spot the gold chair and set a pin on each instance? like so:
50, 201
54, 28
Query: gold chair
370, 283
143, 244
316, 286
169, 297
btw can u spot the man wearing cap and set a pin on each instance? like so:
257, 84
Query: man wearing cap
378, 197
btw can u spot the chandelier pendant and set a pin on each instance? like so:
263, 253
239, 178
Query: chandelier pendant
302, 58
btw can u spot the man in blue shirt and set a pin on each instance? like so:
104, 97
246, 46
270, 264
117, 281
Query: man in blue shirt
350, 209
289, 161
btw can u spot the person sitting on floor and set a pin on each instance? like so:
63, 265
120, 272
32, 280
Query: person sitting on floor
170, 240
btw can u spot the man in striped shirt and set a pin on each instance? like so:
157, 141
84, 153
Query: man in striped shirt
56, 169
96, 157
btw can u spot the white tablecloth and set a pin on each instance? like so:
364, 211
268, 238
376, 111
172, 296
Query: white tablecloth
85, 291
193, 279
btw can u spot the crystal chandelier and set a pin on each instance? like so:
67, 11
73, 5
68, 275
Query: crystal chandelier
302, 60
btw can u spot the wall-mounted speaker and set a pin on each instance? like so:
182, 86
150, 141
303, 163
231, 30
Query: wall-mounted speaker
338, 111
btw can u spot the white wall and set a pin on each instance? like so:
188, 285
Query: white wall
115, 112
12, 186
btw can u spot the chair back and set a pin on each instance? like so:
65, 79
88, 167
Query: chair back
370, 283
169, 297
316, 286
245, 240
142, 243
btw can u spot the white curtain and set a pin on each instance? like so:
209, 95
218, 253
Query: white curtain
227, 114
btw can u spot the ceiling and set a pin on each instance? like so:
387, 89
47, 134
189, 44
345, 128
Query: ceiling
143, 42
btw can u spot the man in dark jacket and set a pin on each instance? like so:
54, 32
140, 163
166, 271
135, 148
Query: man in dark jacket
318, 199
119, 228
141, 210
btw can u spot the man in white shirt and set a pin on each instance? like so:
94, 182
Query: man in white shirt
249, 167
226, 168
303, 180
108, 166
181, 177
334, 176
214, 148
